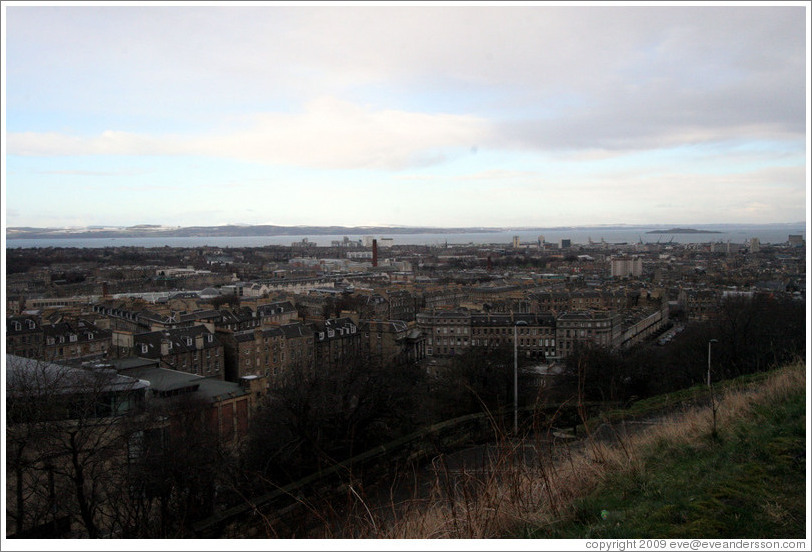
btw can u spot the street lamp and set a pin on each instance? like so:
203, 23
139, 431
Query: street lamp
711, 342
516, 376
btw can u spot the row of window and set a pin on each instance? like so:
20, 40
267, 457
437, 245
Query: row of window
72, 338
196, 369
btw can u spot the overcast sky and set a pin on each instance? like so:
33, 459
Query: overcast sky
530, 115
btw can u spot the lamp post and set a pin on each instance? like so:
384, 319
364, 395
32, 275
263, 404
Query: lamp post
714, 431
711, 342
516, 376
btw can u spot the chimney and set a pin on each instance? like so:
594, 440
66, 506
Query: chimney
199, 341
374, 253
164, 347
105, 291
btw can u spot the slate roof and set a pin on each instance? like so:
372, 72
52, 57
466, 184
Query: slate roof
82, 329
292, 331
25, 322
339, 327
275, 308
177, 337
501, 319
164, 380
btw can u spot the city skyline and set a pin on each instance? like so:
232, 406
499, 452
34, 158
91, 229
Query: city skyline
412, 115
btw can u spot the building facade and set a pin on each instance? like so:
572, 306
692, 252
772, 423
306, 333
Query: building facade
193, 350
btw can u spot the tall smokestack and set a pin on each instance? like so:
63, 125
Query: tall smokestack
374, 253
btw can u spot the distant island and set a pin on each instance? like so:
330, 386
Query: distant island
683, 231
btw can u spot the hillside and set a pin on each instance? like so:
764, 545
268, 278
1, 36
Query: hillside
670, 478
680, 482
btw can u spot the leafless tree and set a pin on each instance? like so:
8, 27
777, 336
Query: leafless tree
67, 432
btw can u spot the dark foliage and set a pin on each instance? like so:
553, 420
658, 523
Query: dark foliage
477, 382
753, 335
328, 416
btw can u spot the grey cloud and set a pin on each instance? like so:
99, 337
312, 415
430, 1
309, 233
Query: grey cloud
622, 77
659, 116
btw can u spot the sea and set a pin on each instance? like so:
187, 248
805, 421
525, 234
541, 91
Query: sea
740, 234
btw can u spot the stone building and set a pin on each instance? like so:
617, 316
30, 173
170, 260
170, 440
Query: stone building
194, 350
24, 336
392, 343
76, 341
336, 341
599, 328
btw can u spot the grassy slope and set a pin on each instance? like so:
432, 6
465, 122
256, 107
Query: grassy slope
748, 484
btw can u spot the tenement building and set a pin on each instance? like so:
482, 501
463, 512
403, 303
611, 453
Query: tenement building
194, 350
600, 328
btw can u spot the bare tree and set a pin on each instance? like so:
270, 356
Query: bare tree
180, 466
66, 432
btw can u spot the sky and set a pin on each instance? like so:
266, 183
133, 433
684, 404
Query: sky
426, 114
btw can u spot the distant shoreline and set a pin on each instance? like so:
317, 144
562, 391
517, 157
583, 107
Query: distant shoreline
228, 231
274, 231
684, 231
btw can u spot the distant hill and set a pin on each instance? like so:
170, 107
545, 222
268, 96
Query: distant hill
154, 231
683, 231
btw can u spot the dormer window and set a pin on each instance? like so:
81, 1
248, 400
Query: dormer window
90, 337
210, 338
73, 338
188, 341
144, 348
51, 341
31, 324
321, 335
17, 326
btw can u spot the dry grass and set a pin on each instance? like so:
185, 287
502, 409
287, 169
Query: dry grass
513, 494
